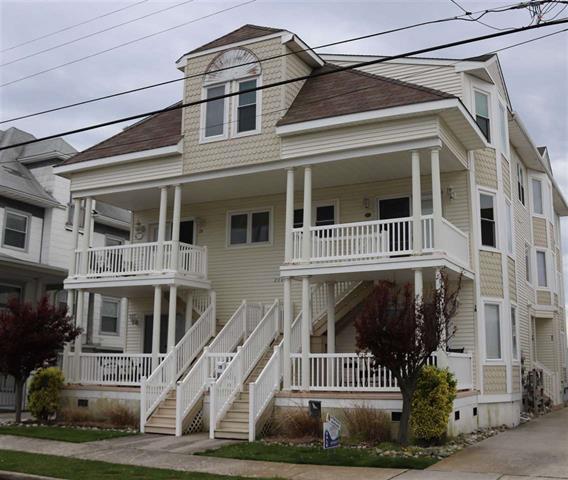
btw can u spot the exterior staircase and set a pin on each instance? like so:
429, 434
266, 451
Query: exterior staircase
235, 423
163, 419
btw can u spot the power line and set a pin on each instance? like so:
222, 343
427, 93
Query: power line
130, 42
65, 29
271, 112
292, 80
167, 82
93, 34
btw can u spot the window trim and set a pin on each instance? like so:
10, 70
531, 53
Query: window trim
546, 272
510, 228
321, 203
249, 213
528, 264
498, 303
203, 114
517, 343
235, 107
503, 128
490, 135
542, 197
13, 211
521, 183
495, 221
117, 301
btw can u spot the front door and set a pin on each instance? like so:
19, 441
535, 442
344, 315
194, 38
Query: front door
149, 325
398, 236
186, 232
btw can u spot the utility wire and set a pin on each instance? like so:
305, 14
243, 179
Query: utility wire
292, 80
70, 27
98, 32
266, 59
130, 42
405, 78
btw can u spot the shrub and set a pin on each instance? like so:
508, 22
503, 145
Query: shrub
119, 416
432, 404
75, 416
297, 423
365, 424
44, 391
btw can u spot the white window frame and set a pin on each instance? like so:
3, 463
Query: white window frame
521, 178
503, 130
546, 272
495, 220
203, 114
543, 202
12, 211
510, 228
321, 203
491, 135
515, 343
235, 106
498, 304
528, 263
117, 301
248, 243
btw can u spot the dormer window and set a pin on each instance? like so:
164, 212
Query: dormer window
234, 71
482, 113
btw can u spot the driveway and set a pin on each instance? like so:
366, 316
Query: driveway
538, 448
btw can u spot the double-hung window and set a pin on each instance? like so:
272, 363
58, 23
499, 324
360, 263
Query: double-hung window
247, 107
542, 278
215, 112
16, 229
482, 113
110, 314
514, 335
537, 198
521, 183
249, 228
492, 332
487, 215
324, 215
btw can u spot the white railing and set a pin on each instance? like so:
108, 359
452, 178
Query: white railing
190, 389
453, 242
460, 364
378, 239
263, 389
140, 259
550, 382
224, 390
201, 301
160, 382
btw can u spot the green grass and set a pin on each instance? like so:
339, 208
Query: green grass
63, 434
345, 457
74, 469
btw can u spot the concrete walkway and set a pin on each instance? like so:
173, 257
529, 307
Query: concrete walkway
536, 450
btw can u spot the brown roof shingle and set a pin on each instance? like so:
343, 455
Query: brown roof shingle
159, 130
246, 32
353, 91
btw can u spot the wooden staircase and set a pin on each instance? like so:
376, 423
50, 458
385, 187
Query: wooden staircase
163, 419
235, 423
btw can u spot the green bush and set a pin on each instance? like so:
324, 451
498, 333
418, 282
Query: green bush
432, 405
44, 391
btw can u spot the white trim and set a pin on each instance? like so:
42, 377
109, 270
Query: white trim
498, 302
492, 248
249, 213
28, 216
234, 125
118, 302
331, 57
203, 114
490, 116
315, 204
125, 158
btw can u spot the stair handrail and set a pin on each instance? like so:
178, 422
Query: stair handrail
155, 388
226, 387
193, 385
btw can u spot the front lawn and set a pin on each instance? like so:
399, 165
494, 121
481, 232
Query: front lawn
342, 456
63, 434
74, 469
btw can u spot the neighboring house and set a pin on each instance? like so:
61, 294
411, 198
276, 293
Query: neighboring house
307, 193
36, 236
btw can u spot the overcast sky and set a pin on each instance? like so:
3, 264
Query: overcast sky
536, 74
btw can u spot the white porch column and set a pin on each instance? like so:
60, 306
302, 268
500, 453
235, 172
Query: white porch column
286, 370
156, 325
306, 331
288, 245
416, 204
172, 318
436, 195
330, 286
76, 220
418, 284
175, 227
306, 239
86, 234
188, 309
79, 314
162, 227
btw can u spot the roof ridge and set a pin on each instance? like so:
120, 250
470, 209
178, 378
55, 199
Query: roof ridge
433, 91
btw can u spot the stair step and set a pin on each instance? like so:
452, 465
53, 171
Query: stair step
160, 429
236, 415
163, 415
237, 425
229, 435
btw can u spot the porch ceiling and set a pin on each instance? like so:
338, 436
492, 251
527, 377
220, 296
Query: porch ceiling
236, 184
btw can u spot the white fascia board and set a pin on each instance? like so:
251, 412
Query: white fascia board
331, 57
180, 64
125, 158
27, 198
304, 52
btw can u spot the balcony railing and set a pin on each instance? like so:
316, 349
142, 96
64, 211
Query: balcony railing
141, 259
378, 239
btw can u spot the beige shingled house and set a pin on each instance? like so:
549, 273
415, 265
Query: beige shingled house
261, 221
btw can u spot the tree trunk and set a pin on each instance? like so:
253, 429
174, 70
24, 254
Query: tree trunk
404, 425
18, 390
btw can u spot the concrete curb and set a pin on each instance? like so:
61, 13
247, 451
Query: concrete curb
22, 476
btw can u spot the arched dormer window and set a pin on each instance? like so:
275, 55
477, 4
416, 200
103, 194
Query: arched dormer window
236, 70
